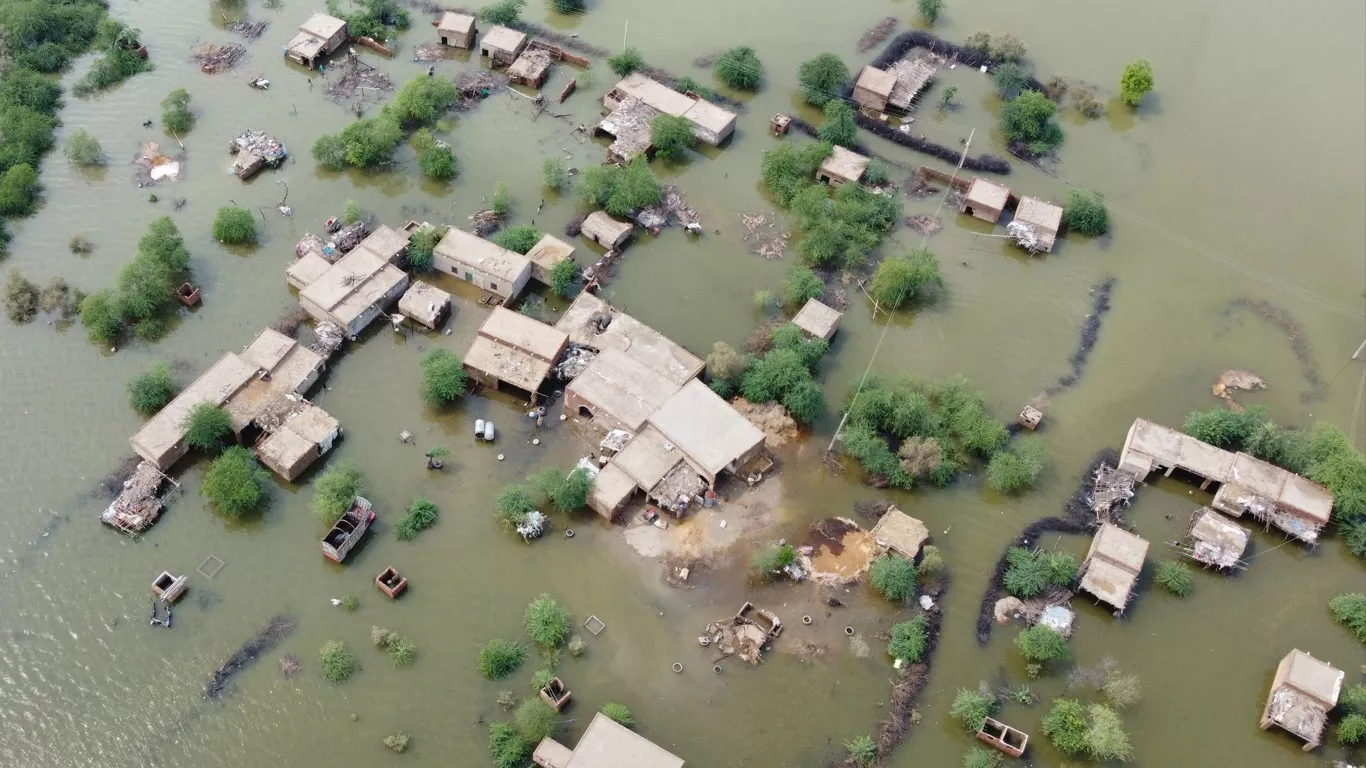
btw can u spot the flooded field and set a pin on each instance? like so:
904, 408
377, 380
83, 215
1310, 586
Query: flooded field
1239, 178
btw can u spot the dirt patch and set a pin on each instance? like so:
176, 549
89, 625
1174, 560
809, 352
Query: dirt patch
1244, 380
924, 224
838, 551
706, 533
808, 652
771, 418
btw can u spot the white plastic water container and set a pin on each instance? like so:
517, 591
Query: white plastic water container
478, 428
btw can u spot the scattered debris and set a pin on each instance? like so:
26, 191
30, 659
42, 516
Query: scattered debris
1110, 493
430, 52
249, 28
215, 59
764, 235
575, 359
924, 224
876, 34
353, 78
485, 223
771, 418
289, 664
259, 82
155, 166
672, 208
1244, 380
476, 85
277, 629
328, 338
746, 634
254, 150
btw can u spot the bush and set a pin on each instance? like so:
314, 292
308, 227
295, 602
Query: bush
397, 742
536, 720
337, 663
334, 491
671, 136
1221, 427
1085, 213
619, 713
109, 69
1353, 699
21, 298
931, 560
894, 577
972, 708
1135, 81
508, 749
402, 651
1350, 611
18, 190
1018, 468
500, 658
861, 749
1010, 80
563, 277
821, 78
381, 637
1352, 730
164, 244
364, 143
553, 174
207, 426
740, 68
788, 169
83, 149
350, 603
620, 191
905, 278
1121, 690
437, 162
1354, 535
100, 316
421, 514
351, 212
573, 492
909, 640
234, 226
687, 84
576, 646
420, 248
443, 377
235, 483
150, 392
1106, 739
518, 239
1065, 725
423, 99
1042, 644
175, 111
764, 299
767, 563
504, 12
982, 758
570, 6
626, 62
876, 172
1007, 48
979, 41
513, 503
547, 622
1028, 120
838, 126
1174, 577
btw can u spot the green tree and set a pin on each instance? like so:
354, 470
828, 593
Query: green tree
1007, 48
1352, 730
507, 748
1085, 213
421, 515
787, 170
337, 663
330, 152
1174, 577
946, 95
626, 62
334, 491
164, 243
437, 162
443, 377
207, 426
876, 172
570, 6
1017, 469
982, 758
972, 708
802, 285
536, 720
573, 493
1106, 739
769, 562
894, 577
929, 10
1066, 725
740, 68
547, 622
144, 288
100, 316
671, 136
150, 392
553, 174
234, 226
420, 248
518, 239
619, 713
83, 149
423, 99
1042, 644
909, 640
1135, 81
1010, 80
235, 483
838, 126
563, 276
175, 111
499, 202
21, 298
500, 658
821, 78
350, 212
18, 190
504, 12
1350, 611
1029, 120
905, 278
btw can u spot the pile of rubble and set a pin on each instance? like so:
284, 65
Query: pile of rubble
213, 59
354, 77
672, 208
250, 29
576, 358
764, 236
746, 634
328, 338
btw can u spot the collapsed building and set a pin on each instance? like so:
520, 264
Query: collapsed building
1302, 693
636, 100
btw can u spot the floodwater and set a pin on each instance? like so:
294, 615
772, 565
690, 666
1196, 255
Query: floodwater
1241, 176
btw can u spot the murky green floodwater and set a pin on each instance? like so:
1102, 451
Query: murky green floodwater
1241, 176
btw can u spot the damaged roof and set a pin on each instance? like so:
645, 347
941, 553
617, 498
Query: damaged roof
629, 336
901, 533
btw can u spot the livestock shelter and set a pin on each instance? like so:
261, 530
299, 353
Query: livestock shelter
1036, 224
817, 319
502, 45
873, 88
482, 262
605, 230
317, 38
516, 350
606, 744
456, 30
1112, 565
985, 200
843, 166
1302, 693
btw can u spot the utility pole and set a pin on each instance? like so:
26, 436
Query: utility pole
1360, 349
625, 28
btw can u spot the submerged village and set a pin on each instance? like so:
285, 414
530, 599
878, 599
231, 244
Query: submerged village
642, 403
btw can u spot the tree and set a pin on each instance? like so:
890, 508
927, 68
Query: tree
787, 170
838, 126
504, 12
929, 10
334, 491
423, 99
443, 377
1135, 81
337, 663
894, 577
725, 363
437, 162
175, 111
1350, 611
330, 152
18, 190
499, 202
802, 285
570, 6
909, 640
740, 68
500, 658
573, 492
1018, 468
21, 298
1042, 644
621, 191
553, 174
507, 747
420, 516
234, 226
900, 279
1121, 690
207, 426
619, 713
1352, 730
100, 316
518, 239
1174, 577
235, 483
150, 392
536, 720
1028, 120
1007, 48
626, 62
83, 149
547, 622
164, 243
1106, 739
946, 95
1065, 725
1085, 213
1010, 80
972, 708
563, 276
821, 78
982, 758
436, 456
769, 562
420, 248
351, 212
671, 136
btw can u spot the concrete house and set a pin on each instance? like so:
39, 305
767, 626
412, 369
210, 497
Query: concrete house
1036, 224
818, 320
1302, 693
531, 68
842, 167
612, 488
354, 291
316, 39
456, 30
711, 124
502, 45
985, 200
605, 744
873, 88
898, 532
514, 350
161, 440
479, 261
305, 435
605, 230
425, 304
594, 323
617, 391
713, 436
545, 254
1112, 565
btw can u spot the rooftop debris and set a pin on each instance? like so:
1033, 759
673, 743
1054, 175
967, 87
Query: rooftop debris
764, 235
157, 167
214, 59
672, 208
328, 338
1110, 493
1244, 380
140, 502
485, 223
261, 144
249, 28
277, 629
576, 358
476, 85
924, 223
876, 34
353, 77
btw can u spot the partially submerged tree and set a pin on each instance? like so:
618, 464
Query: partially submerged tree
1017, 469
838, 126
1135, 81
235, 483
1010, 80
500, 658
1085, 213
149, 392
1007, 48
620, 191
21, 298
862, 749
504, 12
443, 377
972, 708
500, 202
1174, 577
437, 162
420, 248
423, 99
909, 639
207, 426
536, 720
1029, 120
905, 278
671, 136
334, 491
802, 285
547, 622
946, 95
1065, 725
507, 748
1350, 611
563, 277
234, 226
894, 577
929, 10
740, 68
83, 149
619, 713
626, 62
821, 78
175, 111
1042, 644
421, 515
554, 175
518, 239
337, 663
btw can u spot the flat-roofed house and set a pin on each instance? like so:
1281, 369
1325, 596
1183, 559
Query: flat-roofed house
425, 304
712, 435
515, 350
531, 68
1302, 693
843, 166
316, 39
873, 88
606, 744
305, 435
354, 291
617, 391
900, 533
594, 323
502, 45
545, 254
817, 319
484, 263
1036, 224
986, 200
711, 124
612, 488
605, 230
161, 440
456, 30
1112, 565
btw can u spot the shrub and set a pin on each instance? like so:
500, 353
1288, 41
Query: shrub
671, 136
420, 248
724, 363
513, 503
164, 244
769, 562
563, 277
804, 401
443, 377
500, 658
929, 10
570, 6
1061, 568
100, 316
1135, 81
979, 41
381, 637
740, 68
1352, 730
1018, 468
861, 749
112, 67
541, 678
18, 190
821, 78
351, 212
56, 296
397, 742
423, 99
972, 708
1221, 427
207, 426
235, 483
536, 720
946, 95
79, 244
337, 663
518, 239
900, 279
553, 174
1083, 98
234, 226
982, 758
149, 392
909, 640
931, 560
330, 152
1174, 577
1085, 213
620, 191
499, 202
894, 577
626, 62
1028, 120
547, 622
437, 162
838, 126
576, 646
1010, 80
1353, 699
402, 651
421, 514
1007, 48
508, 749
1042, 644
1350, 611
83, 149
573, 492
876, 172
1354, 535
350, 603
1121, 690
175, 111
764, 299
1065, 725
789, 169
504, 12
620, 713
1106, 739
21, 298
334, 491
364, 143
687, 84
